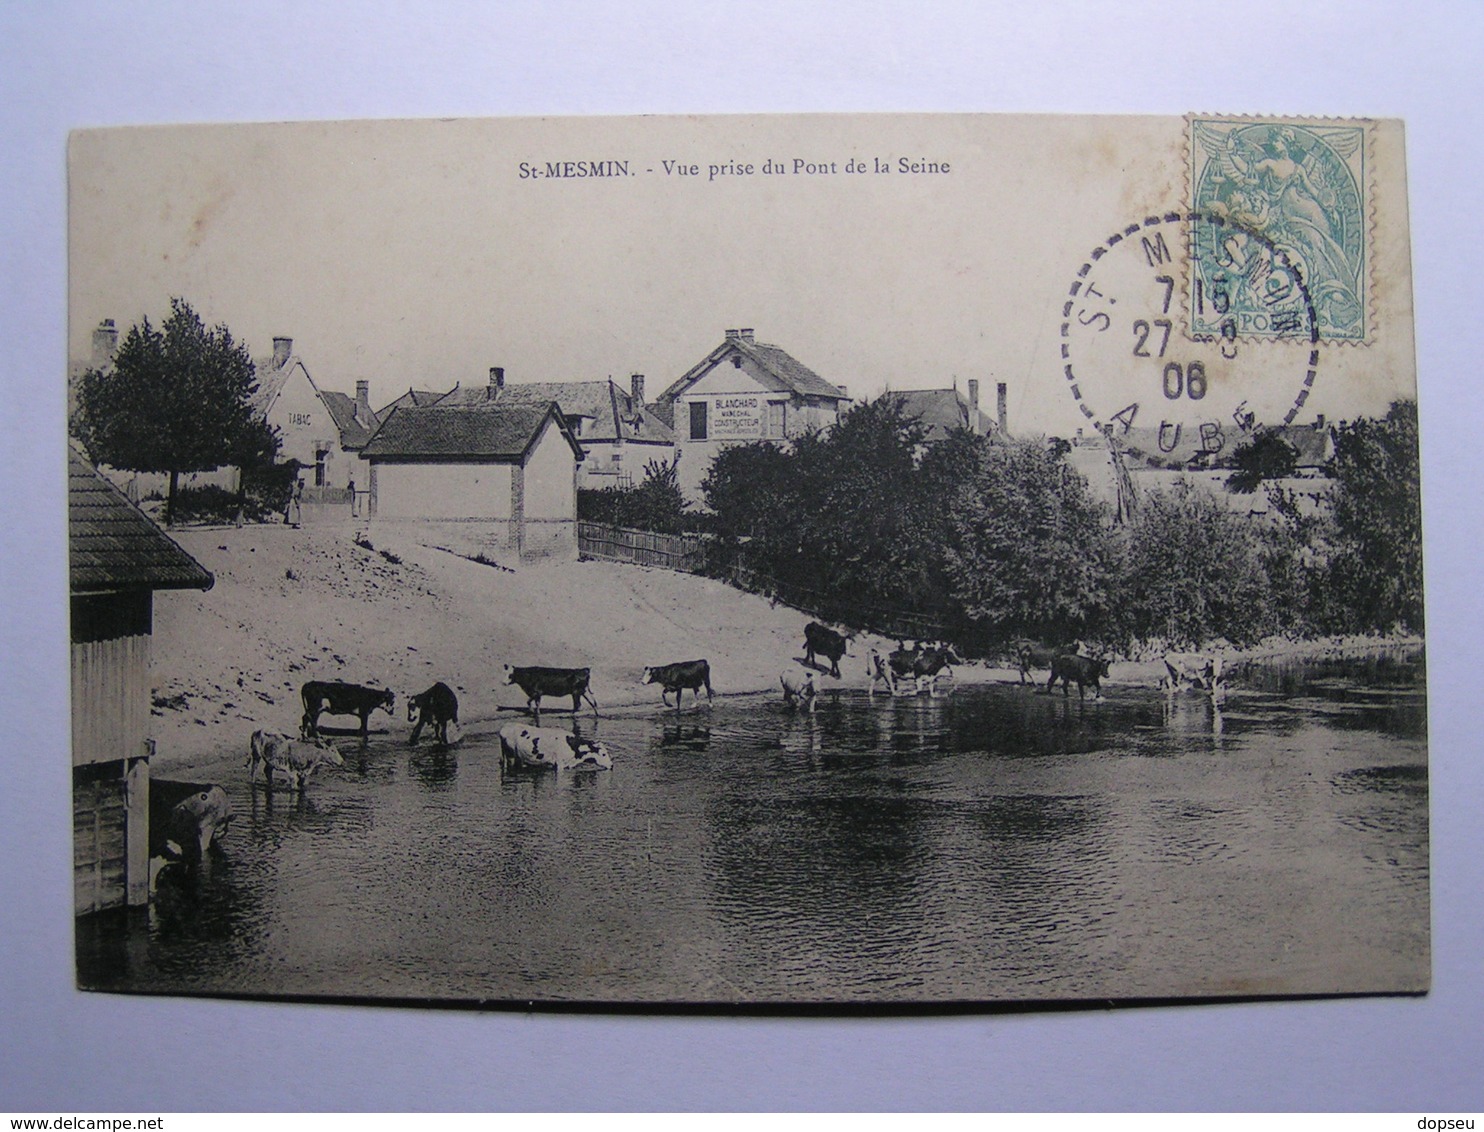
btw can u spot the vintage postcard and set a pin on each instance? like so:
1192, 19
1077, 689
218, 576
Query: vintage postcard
819, 561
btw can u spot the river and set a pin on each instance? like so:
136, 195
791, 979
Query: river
993, 843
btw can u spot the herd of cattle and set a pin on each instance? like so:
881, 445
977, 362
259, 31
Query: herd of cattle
204, 815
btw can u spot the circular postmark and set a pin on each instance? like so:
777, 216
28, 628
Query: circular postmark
1186, 332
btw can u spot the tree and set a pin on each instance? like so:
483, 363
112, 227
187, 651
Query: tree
1376, 570
1267, 456
1024, 547
176, 399
655, 504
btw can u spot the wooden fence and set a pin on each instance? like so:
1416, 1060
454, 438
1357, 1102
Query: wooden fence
686, 553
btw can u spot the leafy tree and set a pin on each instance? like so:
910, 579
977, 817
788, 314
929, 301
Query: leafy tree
1025, 549
176, 399
1376, 571
1267, 456
654, 504
1193, 570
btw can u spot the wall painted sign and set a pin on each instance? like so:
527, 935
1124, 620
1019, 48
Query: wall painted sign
738, 416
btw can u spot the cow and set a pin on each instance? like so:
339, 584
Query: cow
827, 643
551, 747
1085, 670
692, 674
536, 682
1198, 671
922, 663
197, 821
1030, 654
331, 697
798, 684
438, 706
878, 669
297, 758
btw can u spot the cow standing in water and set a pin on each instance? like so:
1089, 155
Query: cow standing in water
332, 697
1085, 670
438, 706
536, 682
297, 758
692, 674
798, 684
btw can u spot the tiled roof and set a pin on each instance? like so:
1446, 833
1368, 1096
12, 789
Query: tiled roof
940, 411
610, 409
776, 367
414, 399
353, 434
112, 545
441, 433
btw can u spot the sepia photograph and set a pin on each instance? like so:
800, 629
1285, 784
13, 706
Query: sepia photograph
746, 562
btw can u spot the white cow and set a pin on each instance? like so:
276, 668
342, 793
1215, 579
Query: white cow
551, 746
798, 684
297, 758
198, 820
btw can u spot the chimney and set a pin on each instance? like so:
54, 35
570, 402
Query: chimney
282, 348
636, 388
1319, 424
731, 334
105, 343
497, 377
363, 401
1001, 395
745, 334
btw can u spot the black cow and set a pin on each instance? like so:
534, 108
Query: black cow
438, 706
536, 682
827, 643
334, 698
1086, 670
692, 674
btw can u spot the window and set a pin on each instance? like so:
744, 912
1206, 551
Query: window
775, 418
698, 420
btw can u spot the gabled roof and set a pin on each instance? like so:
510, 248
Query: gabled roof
773, 365
342, 406
1312, 442
611, 410
940, 411
112, 545
412, 399
439, 433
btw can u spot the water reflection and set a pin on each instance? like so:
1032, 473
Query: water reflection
993, 842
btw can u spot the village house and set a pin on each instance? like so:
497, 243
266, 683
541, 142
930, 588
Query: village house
743, 390
482, 479
943, 411
117, 559
619, 433
321, 429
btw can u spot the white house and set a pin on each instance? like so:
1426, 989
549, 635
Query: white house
744, 390
321, 429
501, 478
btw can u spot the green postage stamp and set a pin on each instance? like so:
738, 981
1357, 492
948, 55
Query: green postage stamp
1298, 187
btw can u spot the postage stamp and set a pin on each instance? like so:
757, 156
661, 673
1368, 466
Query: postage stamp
1300, 186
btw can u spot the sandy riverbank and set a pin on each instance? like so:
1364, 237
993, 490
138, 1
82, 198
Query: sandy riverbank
295, 605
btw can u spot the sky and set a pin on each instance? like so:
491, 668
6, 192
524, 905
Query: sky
891, 251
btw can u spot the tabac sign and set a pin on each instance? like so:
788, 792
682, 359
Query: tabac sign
738, 416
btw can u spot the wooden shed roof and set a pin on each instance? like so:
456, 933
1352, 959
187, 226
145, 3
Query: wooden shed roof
113, 546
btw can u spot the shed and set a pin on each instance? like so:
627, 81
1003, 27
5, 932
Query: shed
117, 558
505, 475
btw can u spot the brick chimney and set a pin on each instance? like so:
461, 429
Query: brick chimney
1001, 397
734, 333
105, 344
497, 377
282, 348
636, 388
745, 334
974, 423
363, 402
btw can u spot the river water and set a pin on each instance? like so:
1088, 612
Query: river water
991, 844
